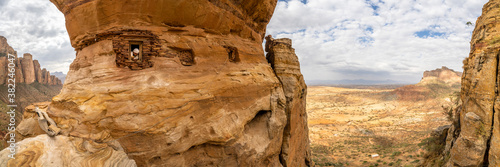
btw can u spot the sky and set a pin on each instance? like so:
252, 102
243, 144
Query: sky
334, 39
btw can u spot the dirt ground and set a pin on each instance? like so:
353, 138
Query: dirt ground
350, 127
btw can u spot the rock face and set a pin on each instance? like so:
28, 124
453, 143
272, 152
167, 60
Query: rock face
5, 48
89, 153
474, 138
199, 93
443, 74
38, 71
286, 65
27, 69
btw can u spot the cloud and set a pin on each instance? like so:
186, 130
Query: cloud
355, 39
382, 39
37, 27
3, 3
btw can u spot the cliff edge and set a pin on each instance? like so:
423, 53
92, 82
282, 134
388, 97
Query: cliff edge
172, 83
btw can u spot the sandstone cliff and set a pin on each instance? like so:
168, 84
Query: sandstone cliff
474, 137
5, 47
286, 65
27, 69
200, 93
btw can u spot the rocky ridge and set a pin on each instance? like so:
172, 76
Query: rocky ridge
201, 92
27, 69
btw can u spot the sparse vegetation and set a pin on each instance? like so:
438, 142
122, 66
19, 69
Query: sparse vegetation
354, 124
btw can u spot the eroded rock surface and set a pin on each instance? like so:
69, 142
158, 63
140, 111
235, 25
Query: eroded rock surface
474, 138
286, 65
200, 93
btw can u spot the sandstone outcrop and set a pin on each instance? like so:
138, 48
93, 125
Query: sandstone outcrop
199, 93
38, 71
5, 48
79, 152
27, 69
474, 138
443, 74
19, 72
434, 83
285, 63
3, 70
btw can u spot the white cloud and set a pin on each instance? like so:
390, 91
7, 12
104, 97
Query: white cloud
334, 39
376, 39
37, 27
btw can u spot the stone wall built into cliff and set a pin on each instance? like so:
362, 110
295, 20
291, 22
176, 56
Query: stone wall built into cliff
200, 91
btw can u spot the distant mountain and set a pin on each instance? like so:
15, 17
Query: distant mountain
437, 83
442, 75
352, 82
60, 75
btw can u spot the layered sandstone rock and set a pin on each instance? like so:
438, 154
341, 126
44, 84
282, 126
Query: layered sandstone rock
201, 92
285, 63
40, 150
474, 138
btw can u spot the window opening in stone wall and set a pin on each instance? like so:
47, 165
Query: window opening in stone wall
135, 51
233, 54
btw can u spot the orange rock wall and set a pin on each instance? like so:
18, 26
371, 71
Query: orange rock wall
208, 97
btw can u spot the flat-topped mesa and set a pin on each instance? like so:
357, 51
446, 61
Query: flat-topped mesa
177, 83
443, 74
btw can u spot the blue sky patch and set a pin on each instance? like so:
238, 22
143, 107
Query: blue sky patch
365, 41
369, 29
373, 6
429, 33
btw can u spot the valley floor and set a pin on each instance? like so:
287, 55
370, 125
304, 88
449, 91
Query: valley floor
348, 126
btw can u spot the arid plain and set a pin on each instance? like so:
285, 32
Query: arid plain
378, 125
